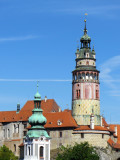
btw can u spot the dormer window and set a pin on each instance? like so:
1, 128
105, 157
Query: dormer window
59, 122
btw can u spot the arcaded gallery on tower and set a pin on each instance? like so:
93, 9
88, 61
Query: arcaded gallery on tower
40, 126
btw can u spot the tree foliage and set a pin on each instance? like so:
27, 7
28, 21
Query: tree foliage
6, 154
81, 151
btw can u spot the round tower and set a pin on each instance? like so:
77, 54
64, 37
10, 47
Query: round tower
85, 84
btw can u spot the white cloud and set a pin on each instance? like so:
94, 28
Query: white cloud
22, 38
110, 75
35, 80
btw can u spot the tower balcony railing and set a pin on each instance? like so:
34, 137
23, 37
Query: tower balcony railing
85, 80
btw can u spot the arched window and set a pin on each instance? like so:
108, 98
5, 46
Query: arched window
41, 151
14, 147
29, 150
8, 133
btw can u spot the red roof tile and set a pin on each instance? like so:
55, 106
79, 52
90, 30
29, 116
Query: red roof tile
113, 144
65, 117
49, 106
11, 116
99, 128
7, 116
52, 120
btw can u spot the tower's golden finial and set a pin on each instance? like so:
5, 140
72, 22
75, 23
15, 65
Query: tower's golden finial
85, 17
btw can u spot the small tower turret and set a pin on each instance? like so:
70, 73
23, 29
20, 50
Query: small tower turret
37, 140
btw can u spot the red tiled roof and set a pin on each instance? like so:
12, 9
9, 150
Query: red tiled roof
49, 106
7, 116
11, 116
99, 128
65, 117
112, 126
52, 120
113, 144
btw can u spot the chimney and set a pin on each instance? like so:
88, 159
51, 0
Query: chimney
92, 121
101, 121
18, 108
45, 98
115, 130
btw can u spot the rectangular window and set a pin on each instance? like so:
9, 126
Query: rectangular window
4, 133
97, 94
24, 133
102, 135
8, 133
25, 125
82, 135
60, 133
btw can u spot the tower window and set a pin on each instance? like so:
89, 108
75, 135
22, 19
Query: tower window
78, 94
29, 150
41, 151
97, 94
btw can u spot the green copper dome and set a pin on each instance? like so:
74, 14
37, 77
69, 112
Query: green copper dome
37, 96
85, 37
37, 117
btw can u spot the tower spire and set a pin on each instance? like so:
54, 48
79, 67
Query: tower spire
37, 85
85, 29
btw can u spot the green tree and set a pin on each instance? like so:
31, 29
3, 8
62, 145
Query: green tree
6, 154
81, 151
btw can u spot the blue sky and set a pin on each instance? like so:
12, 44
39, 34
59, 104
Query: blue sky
38, 41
